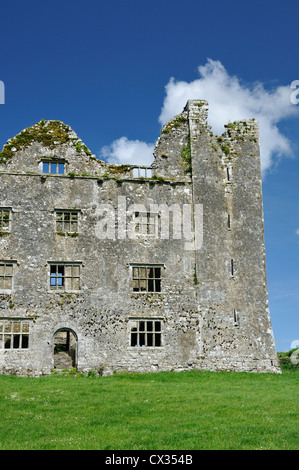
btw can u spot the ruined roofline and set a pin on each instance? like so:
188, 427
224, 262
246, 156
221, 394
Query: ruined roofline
199, 110
52, 133
175, 152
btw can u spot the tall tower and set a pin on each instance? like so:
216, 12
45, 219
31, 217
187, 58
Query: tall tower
235, 326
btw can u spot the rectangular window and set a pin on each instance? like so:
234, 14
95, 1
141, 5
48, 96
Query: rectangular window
147, 278
228, 174
236, 318
6, 274
145, 224
142, 172
65, 277
53, 168
145, 333
66, 221
5, 219
14, 334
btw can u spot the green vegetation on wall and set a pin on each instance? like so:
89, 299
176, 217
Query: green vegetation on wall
173, 124
48, 133
186, 156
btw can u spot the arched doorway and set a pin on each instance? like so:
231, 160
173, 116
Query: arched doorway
65, 349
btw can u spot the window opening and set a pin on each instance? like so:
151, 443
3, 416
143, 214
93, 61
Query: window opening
6, 273
66, 221
14, 334
146, 333
5, 220
146, 224
228, 175
228, 221
65, 277
236, 318
142, 172
53, 168
147, 278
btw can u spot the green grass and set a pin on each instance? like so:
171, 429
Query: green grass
162, 411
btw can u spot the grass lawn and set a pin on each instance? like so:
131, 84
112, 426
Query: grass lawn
161, 411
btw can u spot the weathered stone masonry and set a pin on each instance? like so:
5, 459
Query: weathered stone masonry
77, 288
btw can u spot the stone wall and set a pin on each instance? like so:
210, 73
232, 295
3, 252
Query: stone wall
210, 304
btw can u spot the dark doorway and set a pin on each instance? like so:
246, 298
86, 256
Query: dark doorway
65, 349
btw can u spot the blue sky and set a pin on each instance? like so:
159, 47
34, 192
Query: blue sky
115, 71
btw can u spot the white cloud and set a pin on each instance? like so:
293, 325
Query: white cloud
132, 152
229, 100
297, 231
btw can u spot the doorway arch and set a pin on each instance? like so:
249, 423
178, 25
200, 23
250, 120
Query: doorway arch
65, 347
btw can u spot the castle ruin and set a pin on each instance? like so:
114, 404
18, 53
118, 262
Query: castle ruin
125, 268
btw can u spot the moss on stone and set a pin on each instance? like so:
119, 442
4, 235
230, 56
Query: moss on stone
173, 124
48, 133
186, 156
116, 169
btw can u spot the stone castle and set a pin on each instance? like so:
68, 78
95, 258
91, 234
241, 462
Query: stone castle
124, 268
